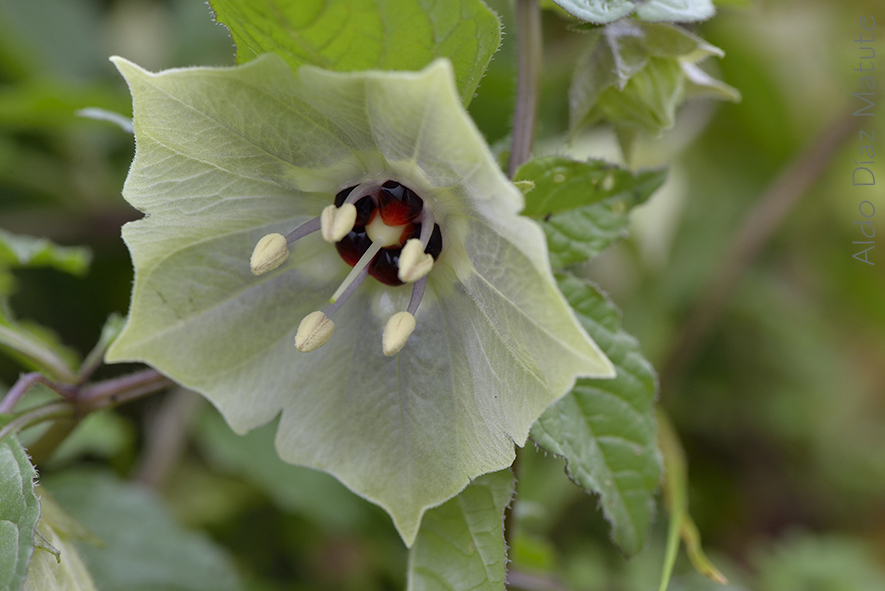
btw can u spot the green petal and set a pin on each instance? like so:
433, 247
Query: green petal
225, 156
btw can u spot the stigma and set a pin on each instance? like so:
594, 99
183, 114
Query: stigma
382, 230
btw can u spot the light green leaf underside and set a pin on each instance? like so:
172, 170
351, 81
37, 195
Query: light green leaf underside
19, 512
495, 344
579, 234
143, 548
354, 35
562, 184
607, 11
460, 546
605, 428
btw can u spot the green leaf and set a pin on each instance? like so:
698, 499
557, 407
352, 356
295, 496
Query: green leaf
143, 547
19, 512
313, 494
562, 184
580, 234
353, 35
406, 431
605, 428
607, 11
635, 74
36, 347
58, 566
460, 545
25, 251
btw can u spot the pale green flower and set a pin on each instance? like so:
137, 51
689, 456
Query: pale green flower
227, 156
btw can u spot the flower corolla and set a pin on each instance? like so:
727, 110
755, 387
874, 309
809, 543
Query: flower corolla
447, 337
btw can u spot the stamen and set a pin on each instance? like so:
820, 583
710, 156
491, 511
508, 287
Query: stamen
348, 292
336, 222
417, 295
361, 191
414, 263
426, 226
397, 331
303, 230
313, 332
270, 252
357, 268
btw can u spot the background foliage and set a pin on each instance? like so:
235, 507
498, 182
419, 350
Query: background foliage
780, 410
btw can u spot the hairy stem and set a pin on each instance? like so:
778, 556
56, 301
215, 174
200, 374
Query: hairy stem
528, 33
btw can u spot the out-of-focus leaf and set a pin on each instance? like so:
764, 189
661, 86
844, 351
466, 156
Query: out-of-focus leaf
605, 428
607, 11
121, 121
53, 104
562, 184
313, 494
26, 251
19, 512
102, 434
143, 547
62, 37
57, 565
352, 35
580, 234
802, 561
460, 545
36, 347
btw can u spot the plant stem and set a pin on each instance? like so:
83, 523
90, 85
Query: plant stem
528, 27
112, 392
25, 382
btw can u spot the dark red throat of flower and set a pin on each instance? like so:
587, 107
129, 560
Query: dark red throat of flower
398, 206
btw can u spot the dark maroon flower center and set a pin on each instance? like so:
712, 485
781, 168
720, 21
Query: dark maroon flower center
398, 206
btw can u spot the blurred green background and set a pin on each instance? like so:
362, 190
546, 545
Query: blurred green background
780, 411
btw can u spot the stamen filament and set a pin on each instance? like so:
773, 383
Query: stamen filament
426, 226
347, 292
303, 230
359, 266
361, 191
417, 295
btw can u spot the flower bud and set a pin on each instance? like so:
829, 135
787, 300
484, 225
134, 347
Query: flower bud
270, 252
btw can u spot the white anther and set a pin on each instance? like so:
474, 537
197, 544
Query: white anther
270, 252
313, 332
397, 331
336, 222
414, 263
